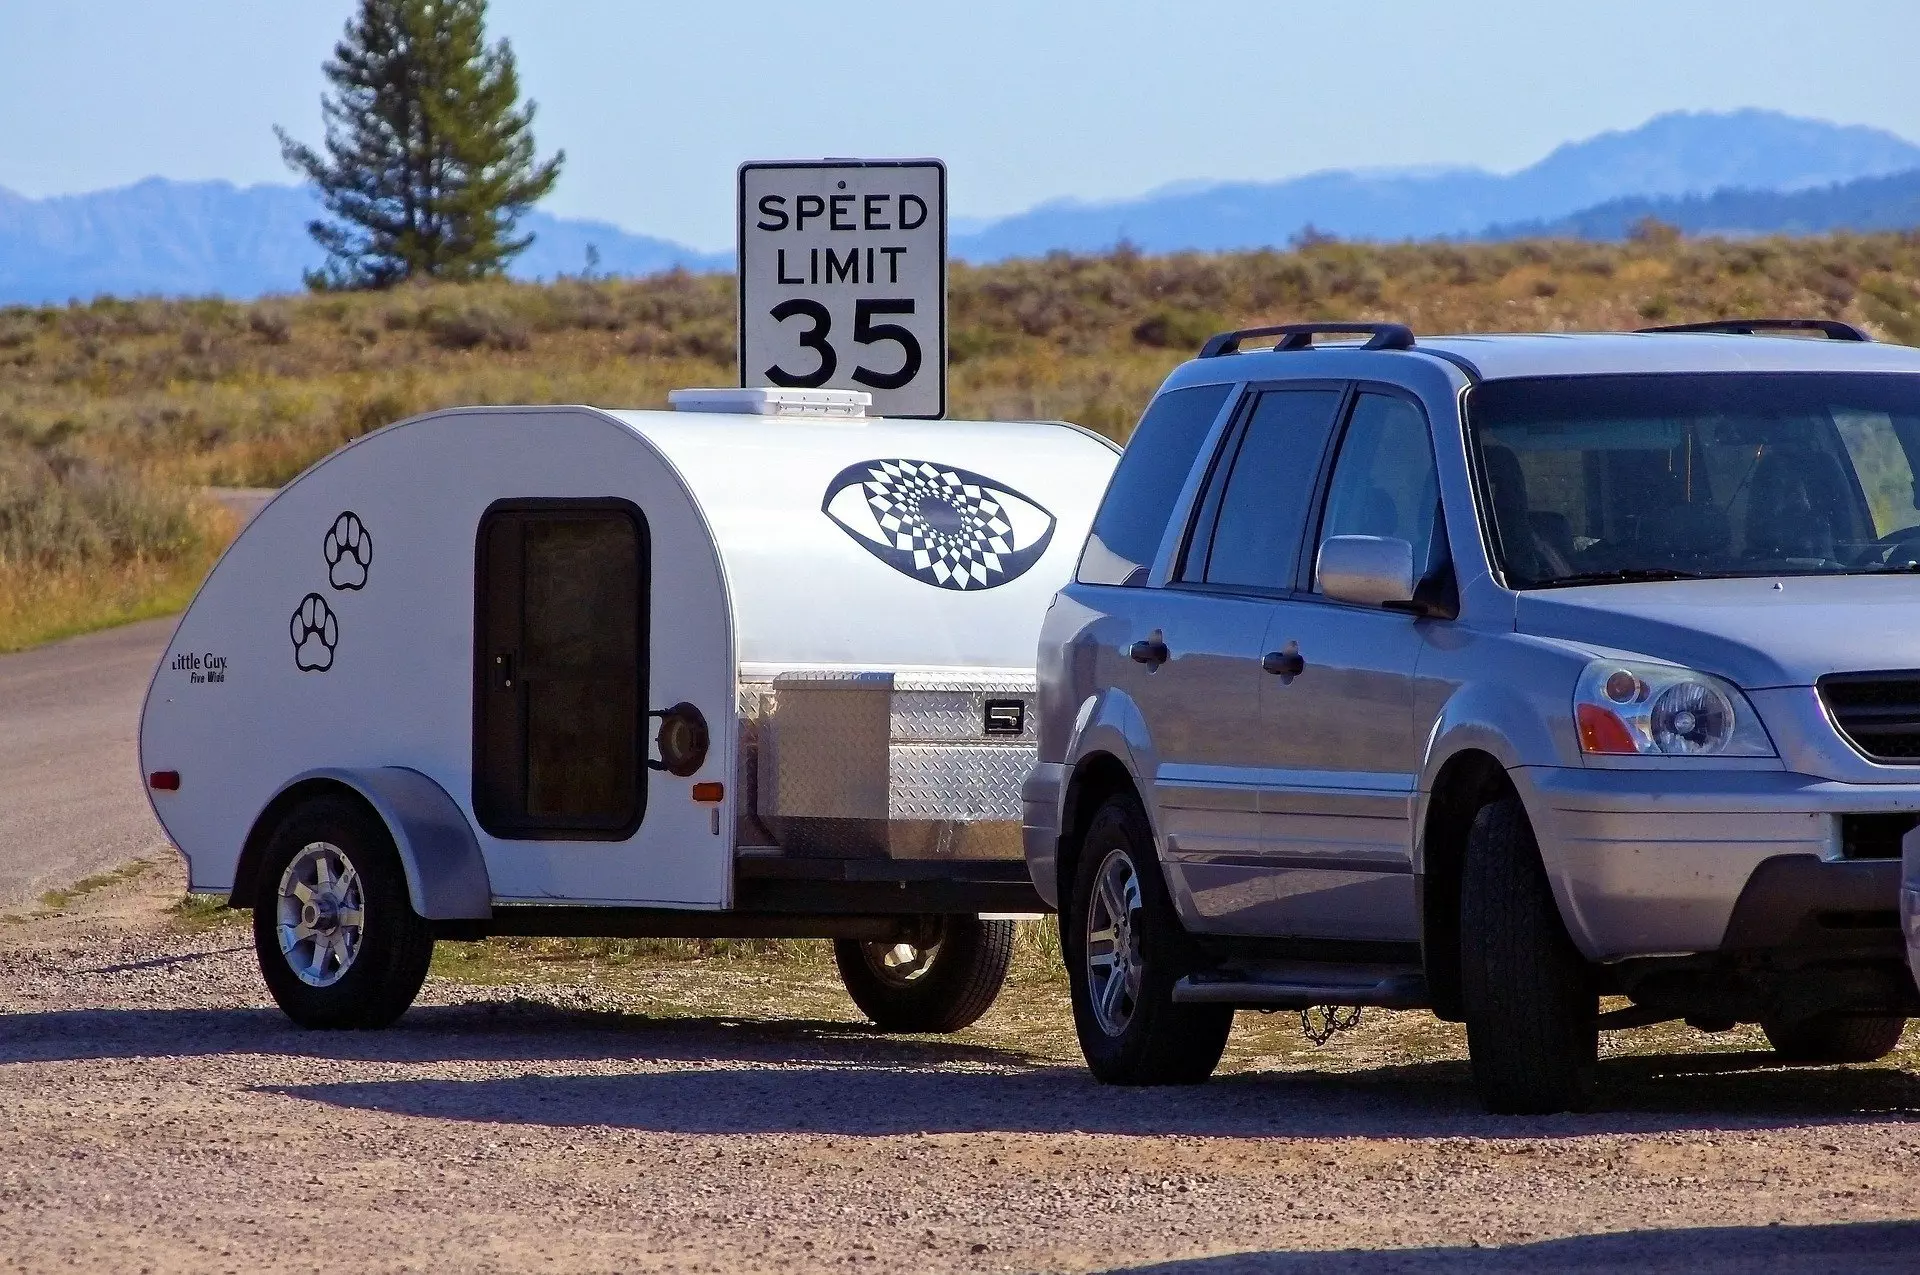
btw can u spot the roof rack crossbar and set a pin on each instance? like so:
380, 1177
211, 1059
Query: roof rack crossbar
1832, 329
1299, 336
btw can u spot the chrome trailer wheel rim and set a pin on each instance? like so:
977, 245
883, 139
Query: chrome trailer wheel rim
1113, 943
900, 964
321, 914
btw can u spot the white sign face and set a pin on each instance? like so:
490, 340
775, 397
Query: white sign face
843, 279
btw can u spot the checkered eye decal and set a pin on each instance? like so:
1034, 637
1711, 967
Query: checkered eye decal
943, 526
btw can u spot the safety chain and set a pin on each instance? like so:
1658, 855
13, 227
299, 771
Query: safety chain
1322, 1023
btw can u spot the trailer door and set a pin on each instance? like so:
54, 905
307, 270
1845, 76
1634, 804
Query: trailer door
560, 667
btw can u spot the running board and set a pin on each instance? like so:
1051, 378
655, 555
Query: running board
1333, 985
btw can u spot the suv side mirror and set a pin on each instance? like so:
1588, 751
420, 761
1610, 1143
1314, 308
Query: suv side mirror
1374, 571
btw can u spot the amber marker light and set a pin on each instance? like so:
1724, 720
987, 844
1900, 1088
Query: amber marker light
709, 790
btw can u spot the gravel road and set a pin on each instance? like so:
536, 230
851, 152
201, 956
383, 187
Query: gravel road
158, 1116
70, 797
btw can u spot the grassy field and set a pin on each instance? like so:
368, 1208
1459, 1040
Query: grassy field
161, 397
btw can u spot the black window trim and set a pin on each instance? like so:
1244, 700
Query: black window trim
1142, 575
1229, 447
514, 830
1309, 557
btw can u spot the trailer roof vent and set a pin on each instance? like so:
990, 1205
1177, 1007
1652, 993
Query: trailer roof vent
761, 401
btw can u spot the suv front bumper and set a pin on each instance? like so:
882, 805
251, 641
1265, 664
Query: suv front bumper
1682, 861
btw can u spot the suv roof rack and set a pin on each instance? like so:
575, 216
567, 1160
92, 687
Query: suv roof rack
1832, 329
1299, 336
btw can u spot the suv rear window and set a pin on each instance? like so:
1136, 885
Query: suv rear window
1139, 500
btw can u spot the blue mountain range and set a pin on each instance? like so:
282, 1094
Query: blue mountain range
1747, 171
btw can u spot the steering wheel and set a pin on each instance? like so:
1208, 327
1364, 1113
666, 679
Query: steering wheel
1884, 548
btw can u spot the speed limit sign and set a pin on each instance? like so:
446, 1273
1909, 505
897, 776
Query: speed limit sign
843, 279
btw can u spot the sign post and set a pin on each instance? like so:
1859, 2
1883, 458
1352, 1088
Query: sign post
843, 279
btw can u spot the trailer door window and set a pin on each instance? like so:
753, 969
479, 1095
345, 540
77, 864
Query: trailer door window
561, 667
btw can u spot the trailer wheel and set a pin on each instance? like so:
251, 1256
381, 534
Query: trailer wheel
940, 985
339, 943
1833, 1038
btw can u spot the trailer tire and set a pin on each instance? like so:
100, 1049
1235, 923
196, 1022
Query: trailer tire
338, 941
1131, 1030
1532, 1012
1834, 1038
941, 985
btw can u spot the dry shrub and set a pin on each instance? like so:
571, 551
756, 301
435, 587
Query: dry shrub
60, 509
1177, 329
271, 324
469, 327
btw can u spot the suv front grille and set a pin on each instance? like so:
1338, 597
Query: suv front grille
1878, 713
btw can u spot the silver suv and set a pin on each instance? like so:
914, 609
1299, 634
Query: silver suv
1494, 675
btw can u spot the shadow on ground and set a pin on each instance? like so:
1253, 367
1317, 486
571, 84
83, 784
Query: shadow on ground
731, 1076
1755, 1250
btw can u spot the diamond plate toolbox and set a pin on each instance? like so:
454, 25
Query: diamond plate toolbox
950, 746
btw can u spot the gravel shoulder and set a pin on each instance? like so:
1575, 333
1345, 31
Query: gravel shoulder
734, 1115
71, 798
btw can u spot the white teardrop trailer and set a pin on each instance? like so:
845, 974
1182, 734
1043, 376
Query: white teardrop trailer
760, 667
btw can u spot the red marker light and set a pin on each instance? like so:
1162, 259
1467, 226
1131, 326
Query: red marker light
164, 781
1602, 732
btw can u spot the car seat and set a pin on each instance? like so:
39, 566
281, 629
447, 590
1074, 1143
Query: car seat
1530, 555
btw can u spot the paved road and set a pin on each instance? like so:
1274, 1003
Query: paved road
70, 797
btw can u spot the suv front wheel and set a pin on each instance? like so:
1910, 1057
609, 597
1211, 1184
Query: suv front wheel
1531, 1009
1124, 951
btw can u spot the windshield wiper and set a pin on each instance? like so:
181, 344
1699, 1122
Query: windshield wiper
1623, 575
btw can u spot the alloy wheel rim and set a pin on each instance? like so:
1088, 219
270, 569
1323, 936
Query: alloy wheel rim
1113, 943
900, 963
321, 919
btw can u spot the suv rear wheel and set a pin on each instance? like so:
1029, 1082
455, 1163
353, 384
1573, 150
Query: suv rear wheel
1833, 1038
1531, 1008
1124, 951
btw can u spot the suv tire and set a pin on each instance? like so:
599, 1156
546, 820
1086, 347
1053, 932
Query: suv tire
1531, 1008
1834, 1038
942, 982
1124, 950
339, 943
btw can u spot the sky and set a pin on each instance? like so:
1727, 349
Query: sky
656, 104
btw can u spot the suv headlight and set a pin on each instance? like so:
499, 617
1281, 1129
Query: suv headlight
1622, 707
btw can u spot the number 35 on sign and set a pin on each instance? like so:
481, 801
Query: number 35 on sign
843, 279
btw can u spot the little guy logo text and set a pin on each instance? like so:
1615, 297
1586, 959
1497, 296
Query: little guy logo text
202, 668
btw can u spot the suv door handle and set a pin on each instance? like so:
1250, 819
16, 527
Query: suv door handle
1150, 651
1284, 663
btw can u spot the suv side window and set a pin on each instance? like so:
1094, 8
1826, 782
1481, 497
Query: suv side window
1262, 510
1384, 482
1139, 500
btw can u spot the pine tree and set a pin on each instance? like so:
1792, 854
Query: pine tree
429, 160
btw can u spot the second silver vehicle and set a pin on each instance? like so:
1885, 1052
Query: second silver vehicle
1494, 675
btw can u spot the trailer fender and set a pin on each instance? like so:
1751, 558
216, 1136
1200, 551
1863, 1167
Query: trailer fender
446, 875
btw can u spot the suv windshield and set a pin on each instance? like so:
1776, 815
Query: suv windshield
1594, 479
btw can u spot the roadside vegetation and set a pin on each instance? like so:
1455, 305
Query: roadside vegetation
113, 412
89, 541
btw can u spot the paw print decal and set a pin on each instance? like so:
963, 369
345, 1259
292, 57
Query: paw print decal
315, 634
349, 552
